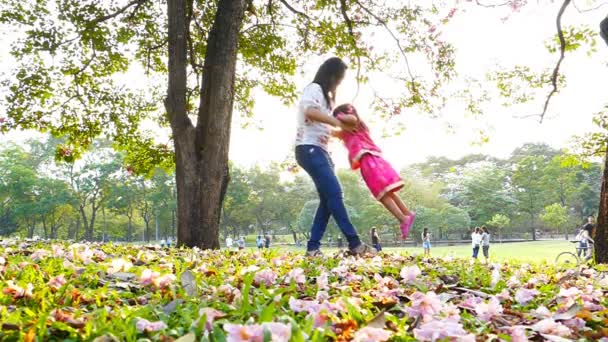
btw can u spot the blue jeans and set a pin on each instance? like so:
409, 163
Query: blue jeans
317, 163
475, 251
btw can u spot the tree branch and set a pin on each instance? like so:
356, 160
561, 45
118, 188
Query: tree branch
588, 9
351, 32
302, 14
491, 6
388, 29
562, 51
117, 13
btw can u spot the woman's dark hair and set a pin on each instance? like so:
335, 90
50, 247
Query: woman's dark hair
329, 74
604, 29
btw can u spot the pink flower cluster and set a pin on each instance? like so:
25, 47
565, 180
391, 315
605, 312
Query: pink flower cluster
149, 277
143, 325
266, 277
296, 275
279, 332
410, 273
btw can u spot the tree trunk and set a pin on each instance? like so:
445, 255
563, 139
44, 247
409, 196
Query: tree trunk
601, 231
44, 229
201, 153
129, 229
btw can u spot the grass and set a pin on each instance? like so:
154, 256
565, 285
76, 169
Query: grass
534, 251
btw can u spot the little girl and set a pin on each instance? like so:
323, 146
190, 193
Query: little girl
381, 179
426, 242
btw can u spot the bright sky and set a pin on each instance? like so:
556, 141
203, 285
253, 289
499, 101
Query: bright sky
482, 40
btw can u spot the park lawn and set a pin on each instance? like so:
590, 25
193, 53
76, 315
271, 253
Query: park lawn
533, 251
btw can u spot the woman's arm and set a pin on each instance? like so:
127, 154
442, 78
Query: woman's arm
348, 118
316, 115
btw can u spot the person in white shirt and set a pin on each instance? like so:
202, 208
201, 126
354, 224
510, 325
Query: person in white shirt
485, 242
228, 242
476, 241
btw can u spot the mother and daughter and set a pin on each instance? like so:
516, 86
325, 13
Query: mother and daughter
317, 122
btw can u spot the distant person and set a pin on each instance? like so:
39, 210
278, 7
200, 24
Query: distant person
259, 241
426, 242
476, 241
379, 176
584, 243
267, 241
228, 242
590, 226
241, 243
485, 242
340, 242
376, 239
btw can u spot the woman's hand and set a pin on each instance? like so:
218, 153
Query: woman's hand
347, 126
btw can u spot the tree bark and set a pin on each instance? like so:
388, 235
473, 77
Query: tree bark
601, 231
201, 153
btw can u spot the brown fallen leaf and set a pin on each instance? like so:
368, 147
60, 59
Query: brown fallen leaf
10, 326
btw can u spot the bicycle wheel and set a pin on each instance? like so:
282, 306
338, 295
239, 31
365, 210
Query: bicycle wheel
567, 260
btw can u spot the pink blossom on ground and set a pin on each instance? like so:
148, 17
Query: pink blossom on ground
591, 306
255, 333
485, 312
39, 254
143, 325
322, 296
119, 265
57, 282
542, 312
58, 251
164, 281
471, 302
550, 327
524, 296
323, 281
410, 273
148, 276
369, 334
439, 329
425, 305
574, 323
518, 334
266, 277
252, 268
495, 277
296, 275
210, 315
451, 311
513, 282
572, 292
504, 295
385, 281
298, 305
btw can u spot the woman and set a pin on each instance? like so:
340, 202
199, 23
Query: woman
476, 241
485, 242
376, 239
314, 128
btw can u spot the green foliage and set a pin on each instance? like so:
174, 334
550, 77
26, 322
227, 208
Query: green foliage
519, 85
555, 216
576, 37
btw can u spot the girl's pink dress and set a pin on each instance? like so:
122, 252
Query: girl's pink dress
380, 177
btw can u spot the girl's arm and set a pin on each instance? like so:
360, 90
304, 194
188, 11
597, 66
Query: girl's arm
316, 115
348, 118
